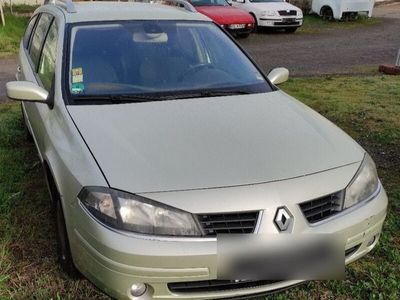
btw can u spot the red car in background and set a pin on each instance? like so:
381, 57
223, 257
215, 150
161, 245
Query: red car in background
239, 22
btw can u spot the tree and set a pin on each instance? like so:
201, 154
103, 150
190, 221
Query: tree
3, 21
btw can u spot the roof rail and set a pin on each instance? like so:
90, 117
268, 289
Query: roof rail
68, 5
179, 3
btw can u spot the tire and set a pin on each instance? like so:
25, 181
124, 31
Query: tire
327, 13
255, 29
242, 35
291, 30
63, 248
28, 135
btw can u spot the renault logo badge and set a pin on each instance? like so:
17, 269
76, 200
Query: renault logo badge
283, 218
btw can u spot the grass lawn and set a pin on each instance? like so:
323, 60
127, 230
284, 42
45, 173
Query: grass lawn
368, 108
10, 35
315, 24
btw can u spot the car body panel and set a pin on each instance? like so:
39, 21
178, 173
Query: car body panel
225, 15
339, 7
211, 142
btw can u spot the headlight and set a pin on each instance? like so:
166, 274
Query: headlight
299, 14
138, 214
364, 185
268, 13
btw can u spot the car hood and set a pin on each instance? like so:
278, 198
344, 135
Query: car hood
211, 142
274, 6
225, 14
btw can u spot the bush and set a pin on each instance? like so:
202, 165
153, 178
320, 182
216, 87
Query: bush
305, 5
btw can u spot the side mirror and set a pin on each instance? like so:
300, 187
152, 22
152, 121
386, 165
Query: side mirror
26, 91
278, 75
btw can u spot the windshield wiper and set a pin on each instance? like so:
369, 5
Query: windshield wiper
118, 98
147, 98
209, 93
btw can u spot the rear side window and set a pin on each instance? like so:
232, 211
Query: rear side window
28, 31
48, 59
38, 37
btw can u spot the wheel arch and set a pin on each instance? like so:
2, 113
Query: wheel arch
325, 7
51, 182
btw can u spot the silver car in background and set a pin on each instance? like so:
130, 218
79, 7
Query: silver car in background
161, 140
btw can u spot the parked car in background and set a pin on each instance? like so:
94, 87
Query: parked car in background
342, 9
239, 22
276, 14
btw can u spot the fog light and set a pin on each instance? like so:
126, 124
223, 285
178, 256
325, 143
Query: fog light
371, 241
138, 289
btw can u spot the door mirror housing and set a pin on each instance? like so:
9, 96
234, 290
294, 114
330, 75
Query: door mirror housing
278, 75
26, 91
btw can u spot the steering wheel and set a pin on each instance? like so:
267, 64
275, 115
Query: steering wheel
195, 69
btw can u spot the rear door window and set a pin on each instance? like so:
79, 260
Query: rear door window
48, 59
38, 38
28, 31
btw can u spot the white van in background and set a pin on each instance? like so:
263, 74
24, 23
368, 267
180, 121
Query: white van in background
342, 9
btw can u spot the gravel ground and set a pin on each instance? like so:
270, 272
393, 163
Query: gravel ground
334, 51
348, 51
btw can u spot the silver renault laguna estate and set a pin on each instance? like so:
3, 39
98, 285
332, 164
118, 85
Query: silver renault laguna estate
176, 167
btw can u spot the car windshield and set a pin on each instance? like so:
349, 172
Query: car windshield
158, 60
209, 3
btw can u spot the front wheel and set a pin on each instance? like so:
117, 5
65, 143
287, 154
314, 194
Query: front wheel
327, 14
255, 28
291, 30
242, 35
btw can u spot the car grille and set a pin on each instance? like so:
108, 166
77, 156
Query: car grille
223, 223
287, 22
215, 285
287, 13
319, 209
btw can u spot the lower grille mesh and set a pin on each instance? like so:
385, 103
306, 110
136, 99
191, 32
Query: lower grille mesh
319, 209
215, 285
241, 222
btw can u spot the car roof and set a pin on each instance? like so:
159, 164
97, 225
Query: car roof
112, 10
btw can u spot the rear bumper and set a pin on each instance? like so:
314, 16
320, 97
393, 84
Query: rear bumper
114, 260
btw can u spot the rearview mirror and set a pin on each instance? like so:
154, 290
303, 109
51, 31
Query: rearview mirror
26, 91
278, 75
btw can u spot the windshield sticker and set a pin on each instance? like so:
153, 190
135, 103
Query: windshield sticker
77, 75
77, 88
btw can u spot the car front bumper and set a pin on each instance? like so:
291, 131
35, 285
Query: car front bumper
280, 22
115, 260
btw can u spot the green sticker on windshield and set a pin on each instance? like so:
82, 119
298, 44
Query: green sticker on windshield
77, 88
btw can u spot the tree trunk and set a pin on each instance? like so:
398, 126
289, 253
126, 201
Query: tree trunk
3, 21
